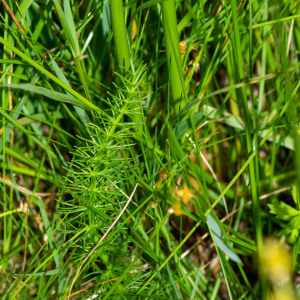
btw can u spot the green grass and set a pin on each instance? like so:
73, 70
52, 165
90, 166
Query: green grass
149, 149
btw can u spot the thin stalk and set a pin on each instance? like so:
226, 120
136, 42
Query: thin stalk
173, 53
6, 241
243, 96
170, 256
292, 113
263, 60
120, 35
262, 279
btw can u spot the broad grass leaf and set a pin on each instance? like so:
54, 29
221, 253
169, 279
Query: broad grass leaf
220, 239
71, 26
184, 126
57, 96
46, 273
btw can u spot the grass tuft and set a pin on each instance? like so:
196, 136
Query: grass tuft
149, 149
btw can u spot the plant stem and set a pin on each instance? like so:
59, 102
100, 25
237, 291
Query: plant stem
172, 49
243, 96
120, 35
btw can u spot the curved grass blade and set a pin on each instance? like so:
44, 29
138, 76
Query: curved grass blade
185, 125
47, 93
51, 76
220, 239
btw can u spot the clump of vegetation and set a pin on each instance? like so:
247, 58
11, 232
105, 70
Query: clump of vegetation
149, 149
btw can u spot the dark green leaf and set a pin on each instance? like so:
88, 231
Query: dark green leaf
184, 126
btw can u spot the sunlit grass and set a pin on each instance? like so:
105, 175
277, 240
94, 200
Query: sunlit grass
149, 149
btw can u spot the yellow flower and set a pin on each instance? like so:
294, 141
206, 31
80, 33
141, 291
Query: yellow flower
134, 29
176, 209
283, 295
275, 262
185, 194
